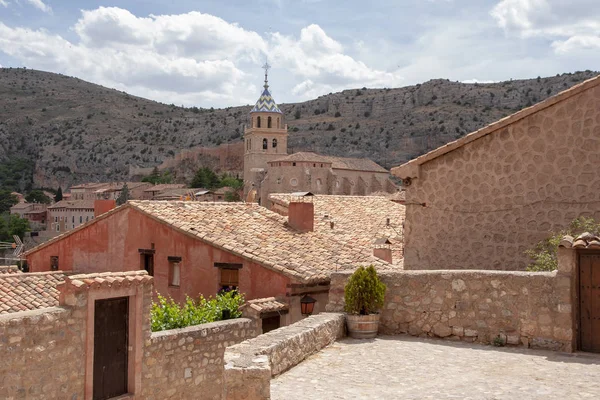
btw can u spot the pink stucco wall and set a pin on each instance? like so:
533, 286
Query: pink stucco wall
112, 243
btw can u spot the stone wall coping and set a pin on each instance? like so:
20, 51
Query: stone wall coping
202, 330
259, 352
32, 316
450, 273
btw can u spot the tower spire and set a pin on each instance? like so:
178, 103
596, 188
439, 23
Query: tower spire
266, 67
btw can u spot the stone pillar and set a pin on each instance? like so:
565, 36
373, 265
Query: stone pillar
566, 292
246, 379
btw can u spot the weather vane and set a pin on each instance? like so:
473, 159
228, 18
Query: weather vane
266, 67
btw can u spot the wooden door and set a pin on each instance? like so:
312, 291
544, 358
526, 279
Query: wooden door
111, 329
589, 302
271, 323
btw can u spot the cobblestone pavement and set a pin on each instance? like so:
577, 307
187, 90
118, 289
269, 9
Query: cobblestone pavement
402, 367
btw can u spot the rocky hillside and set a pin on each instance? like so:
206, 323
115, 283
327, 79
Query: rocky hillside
60, 130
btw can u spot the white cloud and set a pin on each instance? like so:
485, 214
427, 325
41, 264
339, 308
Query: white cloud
191, 59
321, 61
4, 3
568, 26
39, 4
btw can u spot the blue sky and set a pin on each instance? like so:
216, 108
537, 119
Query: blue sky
209, 53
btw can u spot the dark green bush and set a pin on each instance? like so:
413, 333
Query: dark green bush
364, 292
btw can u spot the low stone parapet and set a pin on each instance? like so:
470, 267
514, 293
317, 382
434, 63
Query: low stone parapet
250, 365
182, 363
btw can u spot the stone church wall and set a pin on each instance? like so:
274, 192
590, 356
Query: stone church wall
497, 196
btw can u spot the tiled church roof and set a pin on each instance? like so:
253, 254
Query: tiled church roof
266, 103
355, 164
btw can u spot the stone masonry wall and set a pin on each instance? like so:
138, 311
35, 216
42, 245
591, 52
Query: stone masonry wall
41, 354
187, 363
251, 364
497, 196
522, 308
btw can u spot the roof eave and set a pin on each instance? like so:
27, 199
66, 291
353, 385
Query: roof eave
411, 168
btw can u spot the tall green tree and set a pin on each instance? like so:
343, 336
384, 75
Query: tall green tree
7, 200
59, 195
156, 177
38, 196
124, 196
205, 178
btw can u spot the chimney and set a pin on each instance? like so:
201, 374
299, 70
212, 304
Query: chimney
301, 212
103, 206
382, 249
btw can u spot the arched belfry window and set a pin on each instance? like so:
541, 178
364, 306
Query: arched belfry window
269, 122
274, 143
265, 144
258, 122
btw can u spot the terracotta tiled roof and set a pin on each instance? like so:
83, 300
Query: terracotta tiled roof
357, 164
260, 235
106, 280
266, 305
164, 186
89, 185
30, 291
409, 169
21, 206
585, 241
73, 204
357, 220
9, 269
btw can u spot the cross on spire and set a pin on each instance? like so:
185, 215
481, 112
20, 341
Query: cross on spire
266, 67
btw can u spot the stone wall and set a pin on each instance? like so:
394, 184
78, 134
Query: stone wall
41, 354
506, 188
251, 364
519, 308
181, 363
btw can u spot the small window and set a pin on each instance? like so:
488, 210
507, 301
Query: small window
230, 279
258, 122
81, 219
314, 165
269, 122
87, 219
321, 165
147, 261
265, 144
174, 271
53, 263
274, 143
57, 227
294, 182
293, 164
55, 219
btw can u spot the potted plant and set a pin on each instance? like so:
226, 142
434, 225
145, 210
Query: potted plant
363, 296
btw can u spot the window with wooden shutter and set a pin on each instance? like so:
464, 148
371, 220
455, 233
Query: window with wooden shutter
229, 277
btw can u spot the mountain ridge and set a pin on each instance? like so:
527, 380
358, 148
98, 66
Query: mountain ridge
67, 131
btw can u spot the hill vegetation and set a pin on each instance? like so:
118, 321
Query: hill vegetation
57, 130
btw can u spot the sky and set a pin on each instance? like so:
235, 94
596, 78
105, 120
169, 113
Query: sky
209, 53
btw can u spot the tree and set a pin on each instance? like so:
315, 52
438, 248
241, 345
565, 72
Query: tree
7, 200
298, 114
38, 196
205, 178
232, 195
18, 226
124, 196
59, 195
230, 181
156, 177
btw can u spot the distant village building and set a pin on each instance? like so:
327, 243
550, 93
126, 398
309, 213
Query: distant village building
69, 214
108, 190
496, 192
35, 213
269, 169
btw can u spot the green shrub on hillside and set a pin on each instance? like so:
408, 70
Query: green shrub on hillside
167, 314
544, 254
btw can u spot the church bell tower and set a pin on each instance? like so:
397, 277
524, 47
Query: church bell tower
265, 139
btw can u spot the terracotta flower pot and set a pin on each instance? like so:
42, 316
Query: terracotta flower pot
362, 326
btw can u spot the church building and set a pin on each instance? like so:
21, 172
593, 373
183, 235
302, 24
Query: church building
269, 169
